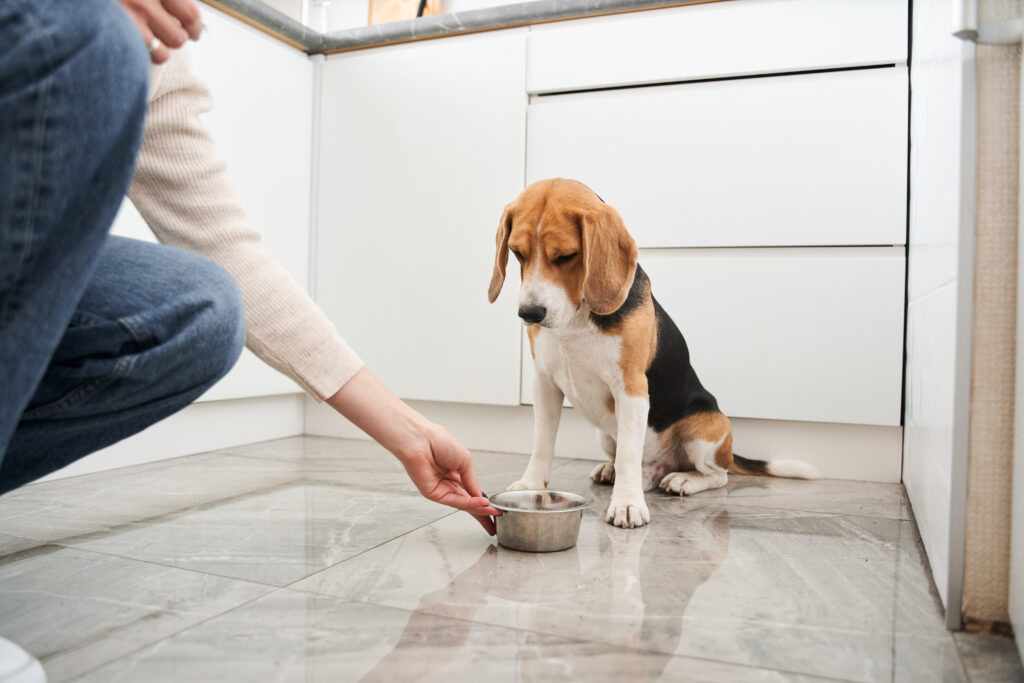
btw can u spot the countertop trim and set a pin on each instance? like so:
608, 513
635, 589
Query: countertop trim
288, 30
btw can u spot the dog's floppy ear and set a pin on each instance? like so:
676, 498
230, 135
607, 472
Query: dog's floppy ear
501, 255
609, 259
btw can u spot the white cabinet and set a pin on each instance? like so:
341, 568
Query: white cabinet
716, 40
421, 148
807, 160
262, 125
812, 335
757, 151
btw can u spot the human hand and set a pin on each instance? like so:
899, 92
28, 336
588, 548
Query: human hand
439, 466
164, 24
442, 470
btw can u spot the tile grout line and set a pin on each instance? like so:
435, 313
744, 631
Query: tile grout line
895, 604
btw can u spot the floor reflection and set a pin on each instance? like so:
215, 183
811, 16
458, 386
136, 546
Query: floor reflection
607, 581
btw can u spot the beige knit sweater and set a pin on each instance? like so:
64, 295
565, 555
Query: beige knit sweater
182, 191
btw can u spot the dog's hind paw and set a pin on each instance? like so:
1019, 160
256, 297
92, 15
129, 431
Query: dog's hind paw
604, 473
689, 483
628, 514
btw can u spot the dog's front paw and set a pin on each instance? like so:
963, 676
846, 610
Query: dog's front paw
604, 473
628, 512
527, 484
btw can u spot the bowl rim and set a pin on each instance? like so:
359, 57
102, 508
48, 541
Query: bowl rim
587, 500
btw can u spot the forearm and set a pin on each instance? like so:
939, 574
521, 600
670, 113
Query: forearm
371, 406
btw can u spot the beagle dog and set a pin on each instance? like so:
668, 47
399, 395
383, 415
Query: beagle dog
599, 338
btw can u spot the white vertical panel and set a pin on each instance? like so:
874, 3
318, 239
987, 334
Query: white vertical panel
928, 430
815, 159
938, 348
422, 146
714, 40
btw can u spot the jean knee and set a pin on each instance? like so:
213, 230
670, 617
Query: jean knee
115, 66
223, 321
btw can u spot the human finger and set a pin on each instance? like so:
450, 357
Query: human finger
166, 28
158, 52
469, 480
158, 21
474, 505
187, 14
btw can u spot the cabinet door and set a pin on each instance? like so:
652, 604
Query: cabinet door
422, 145
808, 160
262, 126
813, 335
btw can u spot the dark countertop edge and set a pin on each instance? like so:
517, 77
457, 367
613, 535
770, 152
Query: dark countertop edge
283, 27
270, 21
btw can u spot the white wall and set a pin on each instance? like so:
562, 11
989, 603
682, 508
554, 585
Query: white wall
934, 288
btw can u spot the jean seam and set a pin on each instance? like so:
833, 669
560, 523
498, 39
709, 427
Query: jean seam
80, 393
136, 330
36, 164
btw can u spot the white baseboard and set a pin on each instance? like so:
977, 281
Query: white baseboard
839, 451
201, 427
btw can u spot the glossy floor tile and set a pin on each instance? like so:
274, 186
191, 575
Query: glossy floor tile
76, 610
318, 638
312, 559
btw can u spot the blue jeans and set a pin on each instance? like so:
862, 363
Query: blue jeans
100, 336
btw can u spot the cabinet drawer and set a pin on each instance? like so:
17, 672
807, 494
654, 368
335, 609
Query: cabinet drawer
787, 334
715, 40
808, 160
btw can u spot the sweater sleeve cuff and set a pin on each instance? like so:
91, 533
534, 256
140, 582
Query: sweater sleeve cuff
327, 368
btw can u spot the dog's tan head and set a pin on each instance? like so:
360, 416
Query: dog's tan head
572, 248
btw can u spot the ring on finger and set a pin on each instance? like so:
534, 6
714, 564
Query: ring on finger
154, 45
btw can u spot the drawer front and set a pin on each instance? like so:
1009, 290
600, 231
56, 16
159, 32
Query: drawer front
808, 160
715, 40
787, 334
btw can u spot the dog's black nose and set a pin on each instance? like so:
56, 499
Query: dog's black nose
534, 315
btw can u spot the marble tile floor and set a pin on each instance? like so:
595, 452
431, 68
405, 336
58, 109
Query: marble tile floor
315, 559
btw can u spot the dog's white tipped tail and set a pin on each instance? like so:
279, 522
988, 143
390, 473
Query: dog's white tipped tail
793, 469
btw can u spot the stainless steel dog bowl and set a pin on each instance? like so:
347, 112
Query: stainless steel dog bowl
539, 521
